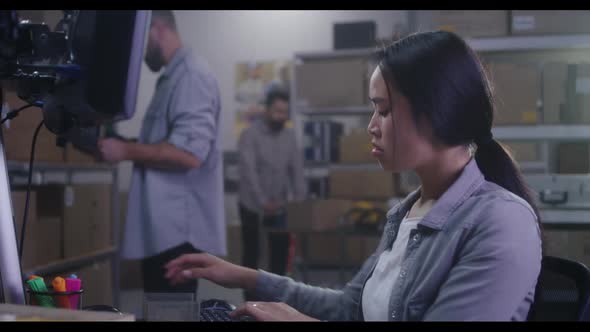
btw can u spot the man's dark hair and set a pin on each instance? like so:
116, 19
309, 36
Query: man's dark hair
166, 16
276, 94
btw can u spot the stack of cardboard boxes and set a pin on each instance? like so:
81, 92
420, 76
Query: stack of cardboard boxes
499, 23
541, 92
18, 137
355, 148
573, 244
544, 93
338, 83
319, 220
466, 23
549, 22
526, 93
517, 92
65, 223
332, 83
566, 88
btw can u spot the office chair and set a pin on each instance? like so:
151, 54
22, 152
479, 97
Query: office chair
562, 291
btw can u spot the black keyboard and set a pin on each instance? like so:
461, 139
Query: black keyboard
216, 315
218, 311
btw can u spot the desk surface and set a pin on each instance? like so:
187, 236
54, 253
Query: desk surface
24, 313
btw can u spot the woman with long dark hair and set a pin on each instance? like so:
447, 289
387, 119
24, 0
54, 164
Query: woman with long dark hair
466, 245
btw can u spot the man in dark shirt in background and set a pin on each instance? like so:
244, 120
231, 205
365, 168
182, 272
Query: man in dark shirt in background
271, 173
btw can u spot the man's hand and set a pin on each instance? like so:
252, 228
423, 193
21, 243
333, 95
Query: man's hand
212, 268
271, 208
112, 149
271, 311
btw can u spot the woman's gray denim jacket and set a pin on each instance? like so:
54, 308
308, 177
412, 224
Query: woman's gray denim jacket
475, 255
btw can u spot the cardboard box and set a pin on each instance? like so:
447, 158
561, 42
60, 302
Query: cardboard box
517, 91
18, 134
566, 93
50, 200
87, 219
332, 83
570, 244
74, 156
356, 148
97, 283
546, 22
362, 185
86, 214
577, 108
43, 237
316, 214
554, 91
523, 151
556, 243
579, 246
573, 158
466, 23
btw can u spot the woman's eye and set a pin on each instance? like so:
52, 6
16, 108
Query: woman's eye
383, 113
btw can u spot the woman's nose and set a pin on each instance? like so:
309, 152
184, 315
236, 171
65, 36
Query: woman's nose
372, 128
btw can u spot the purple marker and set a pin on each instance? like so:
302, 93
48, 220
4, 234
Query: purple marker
73, 284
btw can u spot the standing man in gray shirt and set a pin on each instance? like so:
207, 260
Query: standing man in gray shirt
271, 173
176, 195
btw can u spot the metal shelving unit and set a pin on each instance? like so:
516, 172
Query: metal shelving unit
302, 56
571, 213
319, 169
57, 173
322, 169
360, 110
301, 112
73, 263
543, 132
530, 43
343, 166
305, 266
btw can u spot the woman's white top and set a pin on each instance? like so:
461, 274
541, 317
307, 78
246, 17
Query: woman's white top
378, 288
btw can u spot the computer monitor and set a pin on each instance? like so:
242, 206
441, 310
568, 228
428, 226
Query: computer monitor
108, 47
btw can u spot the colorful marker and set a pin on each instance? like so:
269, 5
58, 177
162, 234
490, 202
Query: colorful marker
59, 286
73, 284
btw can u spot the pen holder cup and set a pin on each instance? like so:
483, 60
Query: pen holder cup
63, 300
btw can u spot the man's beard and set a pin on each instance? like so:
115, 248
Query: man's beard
276, 126
154, 59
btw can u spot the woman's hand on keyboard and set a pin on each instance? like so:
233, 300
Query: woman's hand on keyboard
215, 269
270, 311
